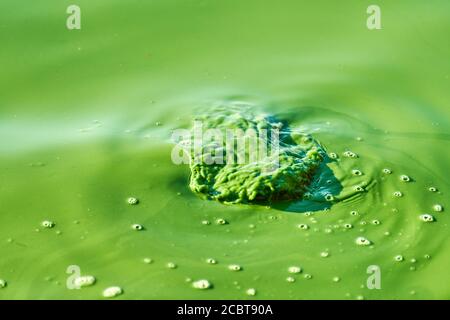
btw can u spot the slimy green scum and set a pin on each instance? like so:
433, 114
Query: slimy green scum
283, 172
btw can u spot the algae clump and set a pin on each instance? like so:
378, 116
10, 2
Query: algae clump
231, 171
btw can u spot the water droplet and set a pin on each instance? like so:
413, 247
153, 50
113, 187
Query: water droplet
112, 292
398, 194
413, 260
171, 265
426, 217
201, 284
329, 197
356, 172
303, 226
221, 221
387, 171
48, 224
294, 269
147, 260
211, 261
3, 283
307, 276
336, 279
361, 241
354, 213
290, 279
332, 155
234, 267
432, 189
427, 256
137, 227
398, 258
376, 222
324, 254
359, 189
132, 201
405, 178
251, 292
206, 222
84, 281
348, 226
438, 208
359, 297
350, 154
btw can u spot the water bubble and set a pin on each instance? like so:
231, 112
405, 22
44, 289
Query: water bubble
398, 194
387, 171
332, 155
324, 254
147, 260
329, 197
348, 226
206, 222
171, 265
294, 269
398, 258
290, 279
361, 241
413, 260
438, 208
47, 224
137, 227
376, 222
251, 292
211, 261
112, 292
354, 213
221, 221
303, 226
132, 201
405, 178
359, 189
84, 281
426, 217
307, 276
432, 189
234, 267
350, 154
3, 283
336, 279
201, 284
356, 172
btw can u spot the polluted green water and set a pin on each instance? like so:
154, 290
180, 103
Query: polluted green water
90, 197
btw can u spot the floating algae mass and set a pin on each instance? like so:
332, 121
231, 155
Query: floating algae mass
228, 171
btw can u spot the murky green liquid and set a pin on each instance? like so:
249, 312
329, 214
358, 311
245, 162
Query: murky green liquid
86, 118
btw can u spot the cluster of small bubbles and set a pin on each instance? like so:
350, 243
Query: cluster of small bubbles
290, 279
329, 197
332, 155
354, 213
294, 269
376, 222
350, 154
438, 208
251, 292
348, 225
387, 171
147, 260
336, 279
137, 227
398, 258
47, 224
356, 172
432, 189
206, 222
361, 241
303, 226
221, 221
211, 261
201, 284
132, 200
3, 283
426, 217
398, 194
307, 276
234, 267
171, 265
112, 292
359, 189
84, 281
405, 178
324, 254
